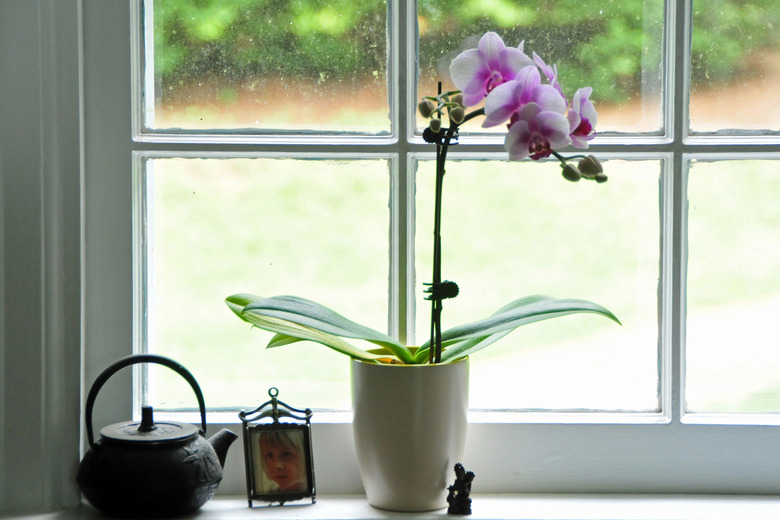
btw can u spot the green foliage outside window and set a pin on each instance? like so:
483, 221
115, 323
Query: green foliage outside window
239, 39
603, 44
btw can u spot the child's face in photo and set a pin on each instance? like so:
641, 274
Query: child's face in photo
283, 464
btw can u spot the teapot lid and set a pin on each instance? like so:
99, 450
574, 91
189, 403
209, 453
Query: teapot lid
147, 431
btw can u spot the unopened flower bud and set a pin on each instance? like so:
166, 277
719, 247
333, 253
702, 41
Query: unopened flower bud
435, 125
590, 166
425, 107
457, 115
571, 173
601, 178
458, 99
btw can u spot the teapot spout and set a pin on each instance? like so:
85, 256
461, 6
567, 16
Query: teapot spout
221, 441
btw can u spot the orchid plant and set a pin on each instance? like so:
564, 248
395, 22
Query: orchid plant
539, 119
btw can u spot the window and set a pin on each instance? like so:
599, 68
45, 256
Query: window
280, 219
651, 419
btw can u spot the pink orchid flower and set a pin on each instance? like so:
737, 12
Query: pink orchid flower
536, 133
476, 72
551, 73
582, 118
508, 99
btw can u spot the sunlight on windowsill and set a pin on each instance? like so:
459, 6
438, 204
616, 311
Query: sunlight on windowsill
498, 507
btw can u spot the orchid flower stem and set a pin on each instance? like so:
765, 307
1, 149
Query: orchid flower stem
471, 115
558, 156
436, 303
563, 159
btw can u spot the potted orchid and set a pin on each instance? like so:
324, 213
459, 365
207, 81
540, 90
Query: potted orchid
539, 119
431, 405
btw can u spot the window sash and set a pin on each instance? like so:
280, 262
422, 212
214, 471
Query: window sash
512, 452
673, 146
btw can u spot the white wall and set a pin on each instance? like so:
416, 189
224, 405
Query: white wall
40, 253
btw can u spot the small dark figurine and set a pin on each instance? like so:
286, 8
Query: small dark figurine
458, 498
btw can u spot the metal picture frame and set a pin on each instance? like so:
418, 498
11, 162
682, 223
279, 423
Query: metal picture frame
278, 453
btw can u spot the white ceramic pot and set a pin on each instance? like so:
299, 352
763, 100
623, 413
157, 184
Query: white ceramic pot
410, 425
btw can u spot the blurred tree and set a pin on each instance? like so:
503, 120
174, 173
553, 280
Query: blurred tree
604, 44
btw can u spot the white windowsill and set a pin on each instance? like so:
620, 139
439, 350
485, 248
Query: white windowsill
491, 507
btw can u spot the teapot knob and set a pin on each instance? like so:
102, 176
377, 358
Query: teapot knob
147, 420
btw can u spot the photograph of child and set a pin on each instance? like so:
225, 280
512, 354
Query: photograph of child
280, 462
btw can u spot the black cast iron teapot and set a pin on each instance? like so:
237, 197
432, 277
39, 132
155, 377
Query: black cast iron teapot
146, 469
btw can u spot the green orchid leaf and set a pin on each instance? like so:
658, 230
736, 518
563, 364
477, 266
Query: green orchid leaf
296, 319
315, 316
280, 340
237, 302
289, 332
459, 349
292, 317
378, 353
467, 347
467, 339
470, 346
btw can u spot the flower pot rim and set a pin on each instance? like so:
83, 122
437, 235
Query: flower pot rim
401, 365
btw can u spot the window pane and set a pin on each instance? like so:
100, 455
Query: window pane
735, 65
260, 65
733, 349
264, 226
614, 47
516, 229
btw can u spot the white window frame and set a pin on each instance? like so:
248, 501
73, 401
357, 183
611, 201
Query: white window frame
669, 452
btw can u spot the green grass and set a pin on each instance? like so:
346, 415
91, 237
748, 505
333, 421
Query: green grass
269, 227
319, 229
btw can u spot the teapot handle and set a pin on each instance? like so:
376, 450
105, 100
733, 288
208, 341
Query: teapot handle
132, 360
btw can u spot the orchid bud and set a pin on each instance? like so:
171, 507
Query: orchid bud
425, 107
590, 166
601, 178
458, 99
457, 115
571, 173
435, 125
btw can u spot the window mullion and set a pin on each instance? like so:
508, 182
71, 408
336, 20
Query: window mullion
679, 42
403, 38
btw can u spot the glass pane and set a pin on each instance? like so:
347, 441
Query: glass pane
614, 47
733, 349
735, 57
516, 229
267, 227
262, 65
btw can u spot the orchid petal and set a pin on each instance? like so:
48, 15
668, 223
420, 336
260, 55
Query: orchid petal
550, 99
529, 78
477, 72
519, 135
582, 118
464, 68
548, 71
516, 141
574, 119
530, 112
491, 47
551, 73
510, 97
501, 103
585, 106
515, 61
536, 132
555, 127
